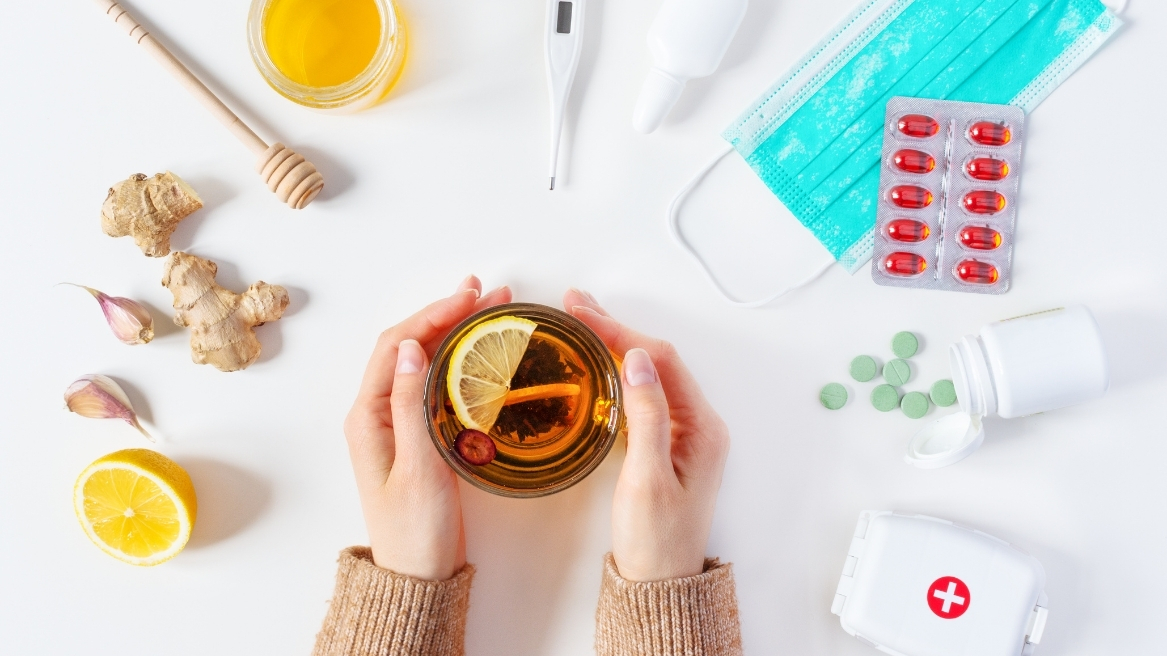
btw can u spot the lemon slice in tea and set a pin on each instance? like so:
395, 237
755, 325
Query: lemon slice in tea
481, 368
137, 505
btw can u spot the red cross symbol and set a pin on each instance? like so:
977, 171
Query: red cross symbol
948, 597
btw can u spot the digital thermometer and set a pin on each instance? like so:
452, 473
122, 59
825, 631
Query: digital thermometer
564, 43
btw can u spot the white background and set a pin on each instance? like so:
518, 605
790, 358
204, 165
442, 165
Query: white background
447, 178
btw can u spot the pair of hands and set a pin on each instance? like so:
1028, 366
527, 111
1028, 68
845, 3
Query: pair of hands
662, 510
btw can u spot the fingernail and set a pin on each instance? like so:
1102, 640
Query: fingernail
467, 282
470, 291
585, 294
583, 309
638, 368
409, 357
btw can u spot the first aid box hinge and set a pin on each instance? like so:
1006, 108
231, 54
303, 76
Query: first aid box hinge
847, 580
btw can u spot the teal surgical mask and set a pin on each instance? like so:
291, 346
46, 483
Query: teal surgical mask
815, 136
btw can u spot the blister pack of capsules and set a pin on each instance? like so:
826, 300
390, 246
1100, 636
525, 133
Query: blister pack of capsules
948, 195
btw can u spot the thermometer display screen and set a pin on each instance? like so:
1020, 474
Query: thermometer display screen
563, 20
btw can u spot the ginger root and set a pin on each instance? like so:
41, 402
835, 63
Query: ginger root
148, 209
221, 322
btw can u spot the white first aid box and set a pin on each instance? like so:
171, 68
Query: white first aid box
920, 586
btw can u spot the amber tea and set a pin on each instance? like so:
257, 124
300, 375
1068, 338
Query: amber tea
523, 400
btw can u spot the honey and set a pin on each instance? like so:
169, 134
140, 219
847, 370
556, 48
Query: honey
328, 54
321, 43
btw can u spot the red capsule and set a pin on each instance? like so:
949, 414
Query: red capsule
908, 230
904, 264
979, 238
988, 133
910, 197
984, 202
475, 447
987, 168
977, 273
913, 161
919, 126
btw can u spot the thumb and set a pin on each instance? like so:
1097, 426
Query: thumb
407, 399
649, 427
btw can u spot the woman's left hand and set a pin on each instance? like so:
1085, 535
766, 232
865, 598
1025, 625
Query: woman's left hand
408, 494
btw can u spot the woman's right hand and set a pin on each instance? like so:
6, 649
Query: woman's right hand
662, 510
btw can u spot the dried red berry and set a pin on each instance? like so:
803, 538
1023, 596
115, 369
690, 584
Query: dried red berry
475, 447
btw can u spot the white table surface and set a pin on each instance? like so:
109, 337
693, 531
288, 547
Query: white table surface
448, 178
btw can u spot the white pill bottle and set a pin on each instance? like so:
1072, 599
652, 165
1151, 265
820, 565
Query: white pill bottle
1030, 364
1013, 368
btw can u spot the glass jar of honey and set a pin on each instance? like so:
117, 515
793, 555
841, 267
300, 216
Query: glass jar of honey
335, 55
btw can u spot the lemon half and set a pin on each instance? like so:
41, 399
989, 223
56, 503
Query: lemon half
481, 368
137, 505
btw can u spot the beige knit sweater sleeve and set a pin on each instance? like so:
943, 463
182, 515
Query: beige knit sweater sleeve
376, 612
692, 616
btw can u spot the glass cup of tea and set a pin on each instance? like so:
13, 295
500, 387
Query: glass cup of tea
523, 400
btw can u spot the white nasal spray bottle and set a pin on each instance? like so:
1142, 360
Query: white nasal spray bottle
687, 40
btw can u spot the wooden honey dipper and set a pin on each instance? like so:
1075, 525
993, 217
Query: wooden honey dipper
293, 179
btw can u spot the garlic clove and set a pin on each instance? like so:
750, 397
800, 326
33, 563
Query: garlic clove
99, 397
129, 320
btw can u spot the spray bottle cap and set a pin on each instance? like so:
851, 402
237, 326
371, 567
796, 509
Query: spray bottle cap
657, 97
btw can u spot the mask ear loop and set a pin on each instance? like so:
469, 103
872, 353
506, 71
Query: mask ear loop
1116, 6
675, 231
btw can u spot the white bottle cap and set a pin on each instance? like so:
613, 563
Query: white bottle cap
657, 97
946, 441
